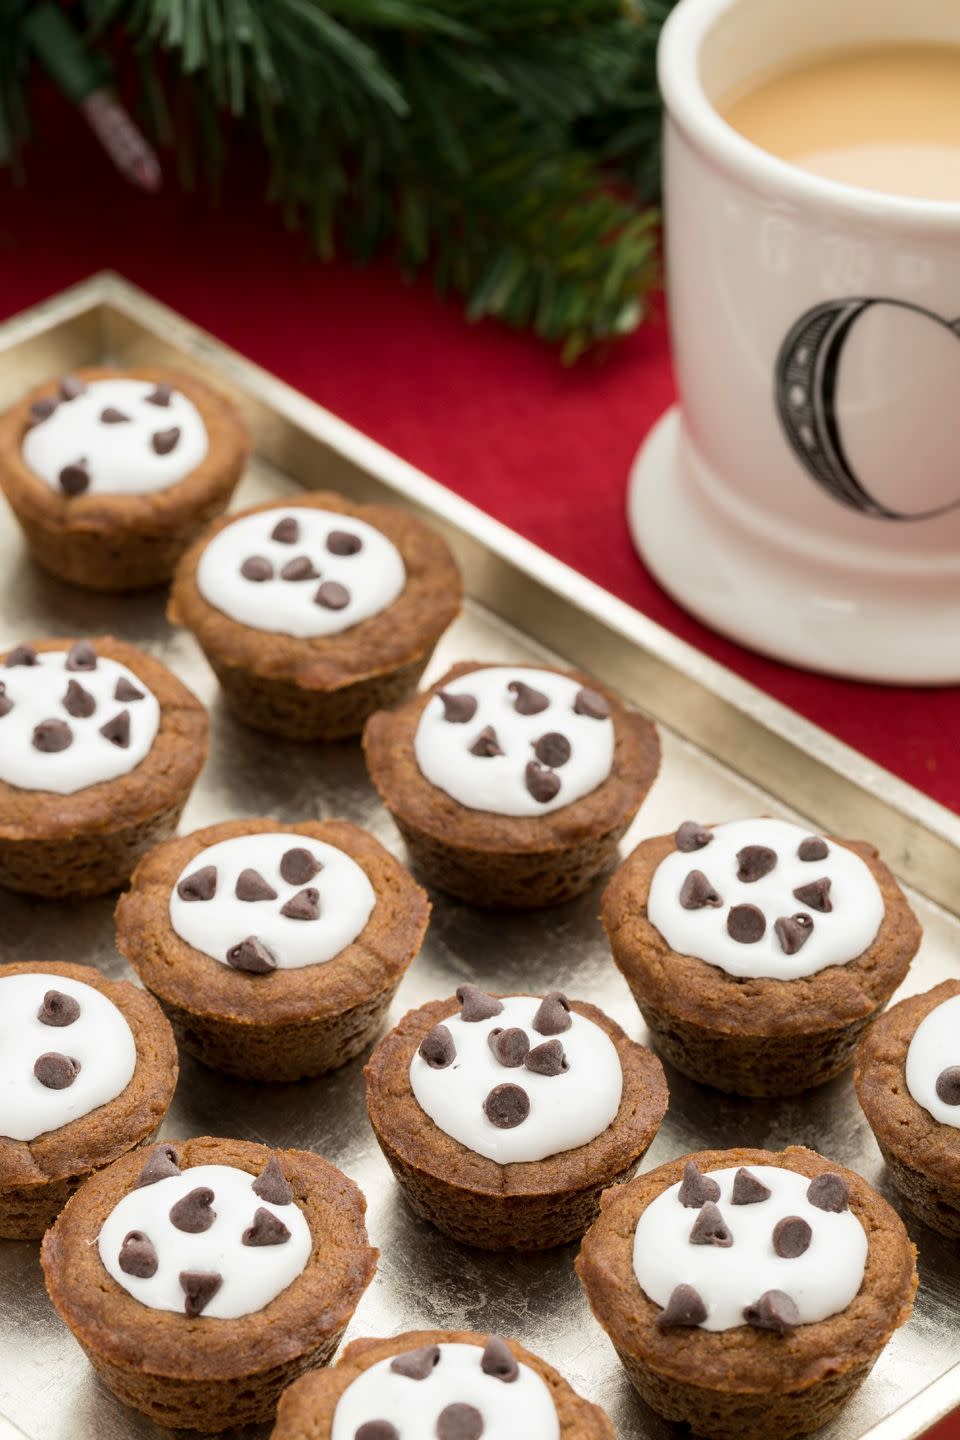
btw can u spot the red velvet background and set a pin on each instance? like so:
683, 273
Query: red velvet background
490, 414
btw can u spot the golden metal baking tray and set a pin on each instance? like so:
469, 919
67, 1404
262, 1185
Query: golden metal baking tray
728, 751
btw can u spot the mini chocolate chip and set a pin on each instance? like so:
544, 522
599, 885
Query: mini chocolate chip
696, 892
793, 932
498, 1360
507, 1106
486, 744
710, 1228
126, 692
163, 441
251, 887
542, 784
343, 542
201, 885
437, 1048
509, 1046
193, 1212
791, 1237
755, 861
56, 1071
6, 704
457, 709
773, 1311
113, 416
286, 531
42, 409
58, 1009
416, 1364
266, 1229
816, 895
376, 1430
21, 655
745, 924
528, 701
748, 1189
78, 702
299, 568
251, 955
690, 836
272, 1185
476, 1004
256, 568
199, 1289
75, 479
553, 1014
552, 749
829, 1192
948, 1085
459, 1422
591, 703
813, 848
117, 730
71, 386
51, 736
547, 1059
137, 1255
160, 395
163, 1161
332, 595
696, 1188
305, 905
81, 656
298, 866
685, 1307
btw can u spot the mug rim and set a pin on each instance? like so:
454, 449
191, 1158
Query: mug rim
690, 108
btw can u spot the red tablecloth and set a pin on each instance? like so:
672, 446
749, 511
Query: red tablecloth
488, 413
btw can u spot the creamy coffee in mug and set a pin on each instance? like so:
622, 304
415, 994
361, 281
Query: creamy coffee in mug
883, 117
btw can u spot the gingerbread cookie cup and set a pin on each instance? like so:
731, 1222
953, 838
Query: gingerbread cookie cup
72, 1117
836, 926
512, 1076
311, 928
316, 613
198, 1303
516, 840
100, 745
113, 472
768, 1371
907, 1083
522, 1392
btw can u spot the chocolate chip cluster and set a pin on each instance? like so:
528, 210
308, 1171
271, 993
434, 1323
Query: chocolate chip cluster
457, 1421
75, 477
53, 735
54, 1070
297, 867
330, 594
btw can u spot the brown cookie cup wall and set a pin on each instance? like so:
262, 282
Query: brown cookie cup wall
324, 687
531, 1205
306, 1410
922, 1155
744, 1383
123, 542
88, 843
524, 862
287, 1024
37, 1177
756, 1037
210, 1374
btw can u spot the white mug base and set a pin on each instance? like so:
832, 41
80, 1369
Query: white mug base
860, 626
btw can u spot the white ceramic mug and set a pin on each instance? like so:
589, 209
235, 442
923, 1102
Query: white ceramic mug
804, 497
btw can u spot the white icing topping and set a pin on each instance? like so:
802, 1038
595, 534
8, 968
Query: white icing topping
346, 901
523, 1408
252, 1275
566, 1110
99, 1039
836, 937
498, 783
36, 694
935, 1047
121, 458
822, 1281
373, 576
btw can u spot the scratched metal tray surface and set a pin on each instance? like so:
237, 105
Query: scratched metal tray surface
728, 751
